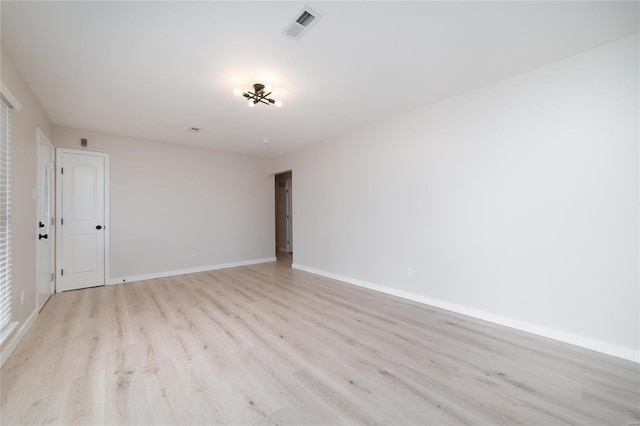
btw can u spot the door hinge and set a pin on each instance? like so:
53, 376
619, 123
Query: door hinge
52, 276
61, 272
61, 221
61, 170
53, 221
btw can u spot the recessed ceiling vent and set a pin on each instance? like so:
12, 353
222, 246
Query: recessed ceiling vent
301, 23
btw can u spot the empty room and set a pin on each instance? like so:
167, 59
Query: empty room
331, 212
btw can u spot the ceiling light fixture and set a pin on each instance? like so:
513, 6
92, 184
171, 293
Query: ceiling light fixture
260, 94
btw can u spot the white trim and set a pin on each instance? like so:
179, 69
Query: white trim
6, 293
9, 97
58, 215
107, 224
8, 349
142, 277
40, 136
7, 331
563, 336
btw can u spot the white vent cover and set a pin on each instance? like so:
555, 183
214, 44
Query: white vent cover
301, 23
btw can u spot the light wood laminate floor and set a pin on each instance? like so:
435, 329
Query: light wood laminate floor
267, 345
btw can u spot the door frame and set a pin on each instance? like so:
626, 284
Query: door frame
107, 225
289, 213
281, 228
41, 137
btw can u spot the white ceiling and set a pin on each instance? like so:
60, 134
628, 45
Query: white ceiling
154, 69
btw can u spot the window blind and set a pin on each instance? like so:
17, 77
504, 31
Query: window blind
5, 216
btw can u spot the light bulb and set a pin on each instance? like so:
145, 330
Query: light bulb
278, 103
267, 88
237, 92
250, 103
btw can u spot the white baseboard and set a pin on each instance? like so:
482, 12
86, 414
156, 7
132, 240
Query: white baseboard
8, 349
164, 274
574, 339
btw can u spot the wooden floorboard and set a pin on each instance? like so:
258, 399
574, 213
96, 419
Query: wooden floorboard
265, 345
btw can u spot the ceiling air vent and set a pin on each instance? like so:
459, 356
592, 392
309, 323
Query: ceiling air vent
305, 19
301, 23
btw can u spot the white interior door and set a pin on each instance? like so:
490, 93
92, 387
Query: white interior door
45, 226
82, 219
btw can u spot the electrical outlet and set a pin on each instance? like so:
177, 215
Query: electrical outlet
22, 297
194, 253
410, 271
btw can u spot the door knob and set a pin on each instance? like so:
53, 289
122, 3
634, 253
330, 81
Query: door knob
98, 227
40, 225
45, 236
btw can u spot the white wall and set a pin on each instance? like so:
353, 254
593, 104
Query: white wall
23, 182
167, 200
517, 202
